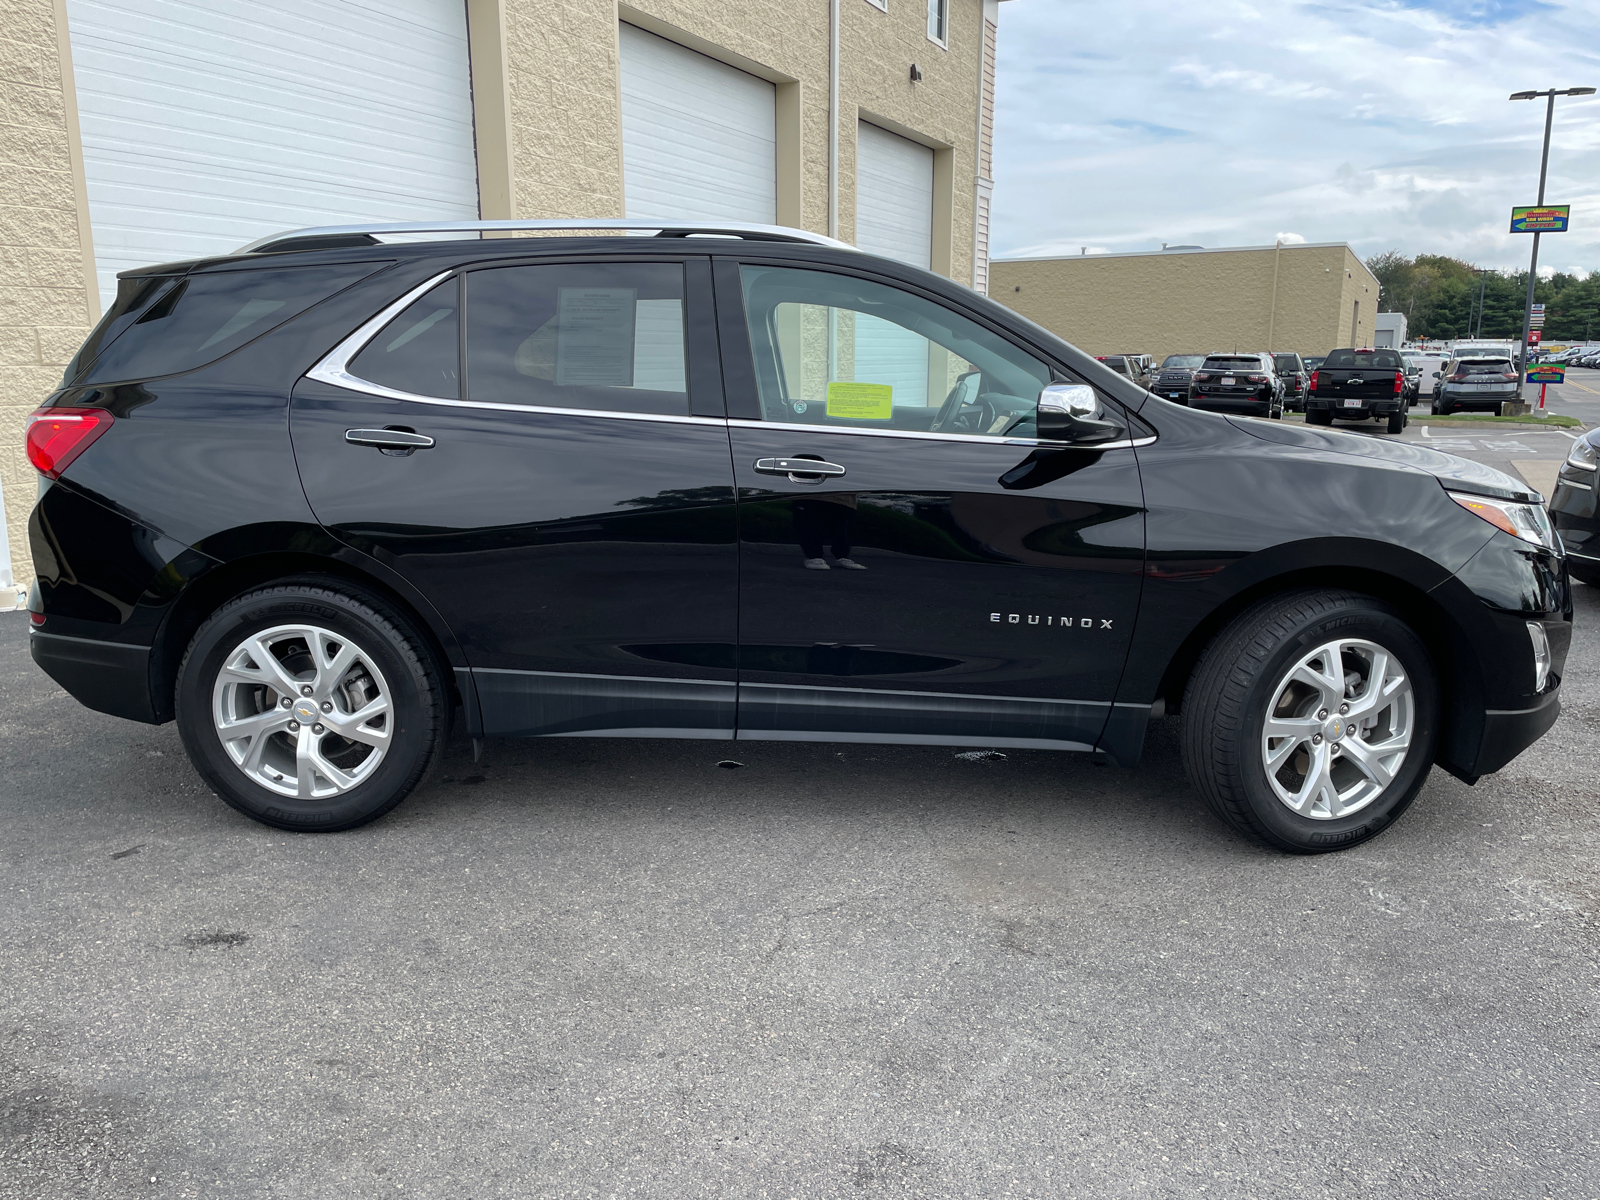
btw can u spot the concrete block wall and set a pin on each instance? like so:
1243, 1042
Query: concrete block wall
1294, 298
47, 303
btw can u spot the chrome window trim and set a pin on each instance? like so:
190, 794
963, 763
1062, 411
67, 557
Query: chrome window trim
919, 435
782, 233
334, 369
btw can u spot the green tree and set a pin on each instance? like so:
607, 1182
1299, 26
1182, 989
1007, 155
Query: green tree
1438, 295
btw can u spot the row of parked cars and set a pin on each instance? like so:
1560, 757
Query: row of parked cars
1572, 356
1346, 384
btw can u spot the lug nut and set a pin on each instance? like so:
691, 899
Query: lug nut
1322, 714
1316, 739
305, 689
327, 706
1344, 708
287, 702
316, 729
294, 726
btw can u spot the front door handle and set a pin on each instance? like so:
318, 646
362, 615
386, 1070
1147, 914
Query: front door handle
797, 469
398, 442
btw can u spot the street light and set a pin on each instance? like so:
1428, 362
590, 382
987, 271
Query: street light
1533, 266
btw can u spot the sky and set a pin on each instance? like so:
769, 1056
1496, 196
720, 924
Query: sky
1121, 126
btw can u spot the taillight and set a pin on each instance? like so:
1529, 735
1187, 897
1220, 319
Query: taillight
1399, 382
1256, 378
56, 436
1509, 377
1201, 375
1313, 384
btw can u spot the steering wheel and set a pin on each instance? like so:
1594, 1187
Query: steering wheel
954, 400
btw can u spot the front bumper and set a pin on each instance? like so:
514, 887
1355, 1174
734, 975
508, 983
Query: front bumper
1507, 733
109, 677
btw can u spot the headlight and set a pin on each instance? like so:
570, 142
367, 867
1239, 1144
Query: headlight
1582, 456
1526, 521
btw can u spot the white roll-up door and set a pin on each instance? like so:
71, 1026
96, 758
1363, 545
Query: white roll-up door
894, 218
209, 123
699, 138
894, 196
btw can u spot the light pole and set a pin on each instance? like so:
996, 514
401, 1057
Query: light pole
1533, 265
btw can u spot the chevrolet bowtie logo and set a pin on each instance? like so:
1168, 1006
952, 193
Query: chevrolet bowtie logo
1046, 619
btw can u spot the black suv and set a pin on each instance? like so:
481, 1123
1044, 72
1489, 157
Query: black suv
1296, 377
1238, 383
315, 499
1172, 378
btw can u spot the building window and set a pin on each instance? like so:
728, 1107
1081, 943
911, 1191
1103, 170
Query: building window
939, 21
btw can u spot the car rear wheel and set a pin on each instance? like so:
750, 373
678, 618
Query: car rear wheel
1397, 421
309, 708
1309, 723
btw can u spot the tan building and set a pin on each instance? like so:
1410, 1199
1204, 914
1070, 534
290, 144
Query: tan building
136, 132
1303, 298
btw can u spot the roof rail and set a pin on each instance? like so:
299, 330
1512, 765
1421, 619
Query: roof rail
740, 229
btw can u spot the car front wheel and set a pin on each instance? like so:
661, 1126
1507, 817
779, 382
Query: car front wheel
309, 708
1309, 724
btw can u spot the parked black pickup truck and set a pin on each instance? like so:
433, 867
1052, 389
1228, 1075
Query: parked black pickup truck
1358, 385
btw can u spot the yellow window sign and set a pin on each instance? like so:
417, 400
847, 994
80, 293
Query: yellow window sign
861, 401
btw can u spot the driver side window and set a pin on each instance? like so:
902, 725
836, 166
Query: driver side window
840, 351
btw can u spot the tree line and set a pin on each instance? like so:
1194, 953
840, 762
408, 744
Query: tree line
1440, 298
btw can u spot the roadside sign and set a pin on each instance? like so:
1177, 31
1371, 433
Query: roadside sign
1547, 373
1543, 218
1533, 337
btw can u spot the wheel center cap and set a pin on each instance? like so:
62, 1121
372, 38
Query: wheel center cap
1334, 729
306, 710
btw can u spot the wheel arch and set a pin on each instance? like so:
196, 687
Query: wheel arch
211, 590
1455, 666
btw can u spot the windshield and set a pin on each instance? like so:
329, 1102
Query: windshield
1182, 362
1233, 362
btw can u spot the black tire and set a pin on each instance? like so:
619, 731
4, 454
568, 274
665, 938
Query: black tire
1318, 416
1397, 421
1225, 710
417, 720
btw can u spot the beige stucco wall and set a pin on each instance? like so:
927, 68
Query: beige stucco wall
1194, 302
45, 296
565, 108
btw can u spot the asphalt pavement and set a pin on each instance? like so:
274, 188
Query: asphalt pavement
618, 968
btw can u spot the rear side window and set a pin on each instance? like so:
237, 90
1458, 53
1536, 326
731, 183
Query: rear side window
601, 336
1351, 360
133, 295
418, 351
1285, 362
197, 319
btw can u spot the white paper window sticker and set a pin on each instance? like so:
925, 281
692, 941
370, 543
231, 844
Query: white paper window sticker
594, 336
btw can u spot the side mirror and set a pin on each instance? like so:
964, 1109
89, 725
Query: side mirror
1071, 412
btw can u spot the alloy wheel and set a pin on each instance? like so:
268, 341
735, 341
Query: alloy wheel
303, 711
1338, 729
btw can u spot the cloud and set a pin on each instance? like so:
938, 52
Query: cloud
1383, 123
1290, 239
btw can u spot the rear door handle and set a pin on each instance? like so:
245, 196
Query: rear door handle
390, 441
797, 468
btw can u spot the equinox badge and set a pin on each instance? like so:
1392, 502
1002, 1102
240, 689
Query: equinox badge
1061, 622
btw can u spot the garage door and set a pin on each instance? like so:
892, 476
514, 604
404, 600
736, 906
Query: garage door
699, 138
894, 196
209, 123
894, 218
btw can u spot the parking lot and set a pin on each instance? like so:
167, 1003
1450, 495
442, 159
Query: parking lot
616, 968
